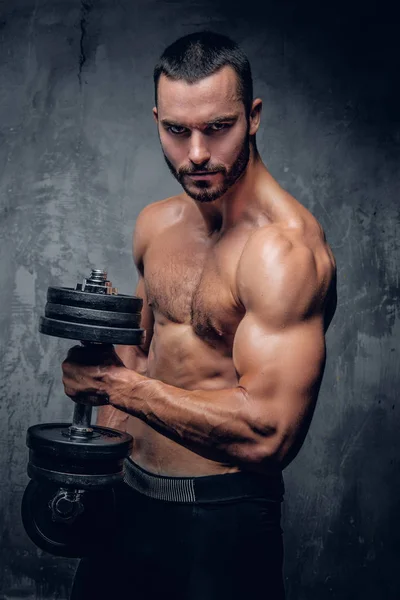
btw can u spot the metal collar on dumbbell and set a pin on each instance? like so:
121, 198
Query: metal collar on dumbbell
97, 283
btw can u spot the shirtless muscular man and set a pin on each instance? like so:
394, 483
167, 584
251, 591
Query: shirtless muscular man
238, 288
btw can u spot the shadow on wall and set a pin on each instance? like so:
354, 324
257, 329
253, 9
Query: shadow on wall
341, 529
349, 543
347, 52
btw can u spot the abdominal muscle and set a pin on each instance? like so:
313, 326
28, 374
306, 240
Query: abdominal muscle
179, 358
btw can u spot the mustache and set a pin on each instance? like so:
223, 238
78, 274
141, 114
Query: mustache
188, 171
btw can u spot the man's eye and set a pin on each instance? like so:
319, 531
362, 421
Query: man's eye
176, 129
218, 126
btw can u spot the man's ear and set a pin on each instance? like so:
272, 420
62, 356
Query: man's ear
255, 116
155, 114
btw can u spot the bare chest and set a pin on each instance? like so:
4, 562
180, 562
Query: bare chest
193, 281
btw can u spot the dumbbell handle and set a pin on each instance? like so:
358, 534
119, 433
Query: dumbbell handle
81, 426
81, 422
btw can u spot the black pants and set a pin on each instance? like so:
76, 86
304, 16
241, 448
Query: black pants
226, 548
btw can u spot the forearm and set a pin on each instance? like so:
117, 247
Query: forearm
134, 358
218, 424
108, 416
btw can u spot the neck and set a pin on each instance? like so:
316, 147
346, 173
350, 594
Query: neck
238, 203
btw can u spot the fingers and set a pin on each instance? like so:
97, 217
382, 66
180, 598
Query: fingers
90, 355
70, 392
92, 398
82, 375
89, 397
94, 354
84, 372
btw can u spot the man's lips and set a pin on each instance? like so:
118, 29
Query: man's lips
203, 174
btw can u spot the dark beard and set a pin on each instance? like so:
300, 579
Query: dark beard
204, 194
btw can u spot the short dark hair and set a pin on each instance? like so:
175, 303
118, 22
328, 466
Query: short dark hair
201, 54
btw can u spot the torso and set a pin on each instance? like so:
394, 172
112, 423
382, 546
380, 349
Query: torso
190, 281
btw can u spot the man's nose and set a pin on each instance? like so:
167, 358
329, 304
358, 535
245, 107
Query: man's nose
198, 152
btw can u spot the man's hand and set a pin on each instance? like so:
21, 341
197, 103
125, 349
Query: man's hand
89, 372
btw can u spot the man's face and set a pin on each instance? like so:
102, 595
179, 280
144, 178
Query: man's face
204, 133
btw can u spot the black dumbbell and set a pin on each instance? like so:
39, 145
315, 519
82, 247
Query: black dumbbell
74, 467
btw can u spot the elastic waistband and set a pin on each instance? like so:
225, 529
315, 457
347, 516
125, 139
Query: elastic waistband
209, 488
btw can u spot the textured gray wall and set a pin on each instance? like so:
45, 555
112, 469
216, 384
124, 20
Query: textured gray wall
79, 158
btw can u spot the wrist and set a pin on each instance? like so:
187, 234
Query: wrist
120, 385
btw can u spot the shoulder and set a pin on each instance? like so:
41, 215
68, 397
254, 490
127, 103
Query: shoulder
286, 269
159, 214
152, 220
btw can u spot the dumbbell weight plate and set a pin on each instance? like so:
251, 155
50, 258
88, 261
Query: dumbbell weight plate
91, 333
86, 534
91, 316
111, 302
93, 462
